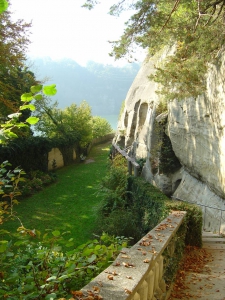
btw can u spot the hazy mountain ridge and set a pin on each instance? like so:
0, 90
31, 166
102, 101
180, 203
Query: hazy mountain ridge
104, 87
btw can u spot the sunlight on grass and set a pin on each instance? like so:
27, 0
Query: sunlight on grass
105, 149
85, 217
70, 203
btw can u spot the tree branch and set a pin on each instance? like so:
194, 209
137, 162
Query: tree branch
172, 11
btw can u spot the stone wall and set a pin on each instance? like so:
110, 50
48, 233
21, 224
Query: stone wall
55, 157
138, 272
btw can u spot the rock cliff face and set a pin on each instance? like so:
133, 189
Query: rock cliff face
188, 162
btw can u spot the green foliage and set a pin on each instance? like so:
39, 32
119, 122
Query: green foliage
148, 203
15, 76
174, 252
9, 191
72, 123
35, 181
32, 269
130, 206
141, 162
47, 267
121, 221
113, 187
195, 30
30, 153
3, 5
74, 191
100, 127
139, 203
12, 127
193, 221
189, 233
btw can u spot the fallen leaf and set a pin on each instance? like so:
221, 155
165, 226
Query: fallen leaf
96, 289
128, 291
125, 256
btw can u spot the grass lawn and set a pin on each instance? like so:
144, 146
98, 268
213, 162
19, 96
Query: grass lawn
70, 203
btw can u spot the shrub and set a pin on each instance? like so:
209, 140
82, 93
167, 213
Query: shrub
43, 270
193, 221
121, 222
35, 181
114, 188
131, 201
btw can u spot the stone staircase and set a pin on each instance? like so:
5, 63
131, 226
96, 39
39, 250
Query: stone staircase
208, 282
213, 241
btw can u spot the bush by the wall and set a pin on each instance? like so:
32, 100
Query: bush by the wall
35, 181
193, 221
148, 202
173, 254
31, 153
28, 153
129, 195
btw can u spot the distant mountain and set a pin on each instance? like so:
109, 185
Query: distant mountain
104, 87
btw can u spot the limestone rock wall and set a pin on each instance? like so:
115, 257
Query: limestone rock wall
196, 128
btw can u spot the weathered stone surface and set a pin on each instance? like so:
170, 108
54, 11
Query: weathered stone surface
135, 125
138, 270
196, 128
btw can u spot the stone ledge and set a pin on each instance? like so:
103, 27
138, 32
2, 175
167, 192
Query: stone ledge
133, 267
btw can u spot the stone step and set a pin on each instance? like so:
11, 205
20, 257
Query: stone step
215, 246
207, 234
213, 240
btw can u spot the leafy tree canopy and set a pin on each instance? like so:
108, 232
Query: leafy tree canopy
73, 122
100, 127
194, 28
15, 77
3, 5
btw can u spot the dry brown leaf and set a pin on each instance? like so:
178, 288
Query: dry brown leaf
77, 293
96, 289
128, 291
125, 256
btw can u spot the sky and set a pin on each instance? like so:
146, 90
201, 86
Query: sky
62, 29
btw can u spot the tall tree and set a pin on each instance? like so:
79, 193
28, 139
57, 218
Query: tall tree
73, 122
15, 77
100, 127
194, 28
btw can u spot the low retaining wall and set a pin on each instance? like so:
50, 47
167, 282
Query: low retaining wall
100, 140
137, 273
55, 157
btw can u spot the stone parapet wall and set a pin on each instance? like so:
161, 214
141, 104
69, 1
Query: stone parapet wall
55, 157
138, 272
100, 140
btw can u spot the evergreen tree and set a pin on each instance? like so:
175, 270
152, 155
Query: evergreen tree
193, 28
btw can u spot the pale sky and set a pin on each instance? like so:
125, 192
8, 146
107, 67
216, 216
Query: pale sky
62, 29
